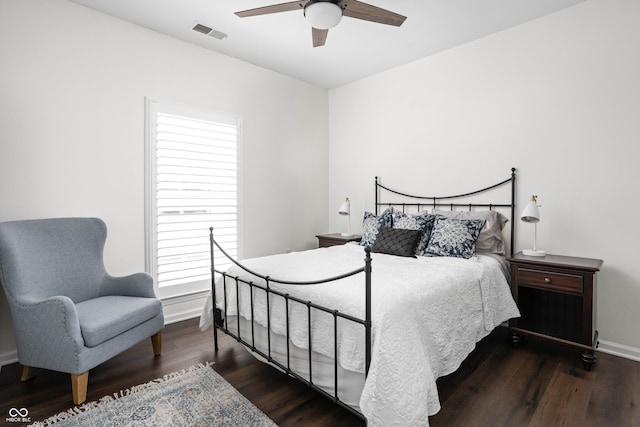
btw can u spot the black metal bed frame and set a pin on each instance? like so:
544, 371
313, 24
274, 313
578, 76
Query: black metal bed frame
221, 323
438, 201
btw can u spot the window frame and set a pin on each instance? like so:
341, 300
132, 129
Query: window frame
152, 107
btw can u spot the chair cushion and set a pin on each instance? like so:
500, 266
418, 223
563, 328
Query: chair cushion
106, 317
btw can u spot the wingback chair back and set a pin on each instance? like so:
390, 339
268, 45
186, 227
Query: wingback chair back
68, 313
45, 258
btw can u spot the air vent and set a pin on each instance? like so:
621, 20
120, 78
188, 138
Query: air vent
201, 28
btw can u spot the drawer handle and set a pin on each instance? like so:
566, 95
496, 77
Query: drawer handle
547, 280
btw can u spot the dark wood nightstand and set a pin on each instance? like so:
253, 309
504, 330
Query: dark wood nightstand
556, 298
326, 240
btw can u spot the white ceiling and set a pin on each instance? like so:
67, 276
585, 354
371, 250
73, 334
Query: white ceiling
354, 49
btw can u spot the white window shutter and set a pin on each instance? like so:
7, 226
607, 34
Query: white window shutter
194, 186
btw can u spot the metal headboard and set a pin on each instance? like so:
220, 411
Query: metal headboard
414, 202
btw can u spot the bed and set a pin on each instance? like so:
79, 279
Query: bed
376, 342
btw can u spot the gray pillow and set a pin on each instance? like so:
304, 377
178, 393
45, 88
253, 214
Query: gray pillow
490, 239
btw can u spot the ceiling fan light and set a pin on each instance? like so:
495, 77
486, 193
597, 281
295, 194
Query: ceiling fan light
323, 14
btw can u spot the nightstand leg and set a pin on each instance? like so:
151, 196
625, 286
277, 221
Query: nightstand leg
516, 339
588, 359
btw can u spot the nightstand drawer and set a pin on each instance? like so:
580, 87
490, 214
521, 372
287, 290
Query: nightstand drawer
550, 280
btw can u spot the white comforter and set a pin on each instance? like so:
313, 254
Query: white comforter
428, 313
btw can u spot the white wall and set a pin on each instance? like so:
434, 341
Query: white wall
72, 89
557, 98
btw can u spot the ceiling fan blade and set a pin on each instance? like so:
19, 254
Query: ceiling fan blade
368, 12
274, 8
319, 37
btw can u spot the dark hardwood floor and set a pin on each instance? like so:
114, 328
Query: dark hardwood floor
538, 384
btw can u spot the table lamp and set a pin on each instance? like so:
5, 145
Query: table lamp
345, 209
531, 214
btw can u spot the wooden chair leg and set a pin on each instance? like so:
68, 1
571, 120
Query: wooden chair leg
28, 372
79, 384
156, 342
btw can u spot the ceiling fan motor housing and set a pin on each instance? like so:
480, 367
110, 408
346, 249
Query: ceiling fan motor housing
322, 14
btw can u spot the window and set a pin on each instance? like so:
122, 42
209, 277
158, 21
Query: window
192, 184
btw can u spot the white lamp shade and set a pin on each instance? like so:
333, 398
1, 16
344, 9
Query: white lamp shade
345, 208
531, 213
323, 14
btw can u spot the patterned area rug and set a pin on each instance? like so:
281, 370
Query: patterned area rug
197, 396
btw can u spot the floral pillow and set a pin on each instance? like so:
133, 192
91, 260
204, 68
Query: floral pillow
490, 239
371, 224
423, 222
454, 237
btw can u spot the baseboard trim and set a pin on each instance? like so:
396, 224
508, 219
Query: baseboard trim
620, 350
183, 307
8, 357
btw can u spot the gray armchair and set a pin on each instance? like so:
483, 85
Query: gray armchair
68, 314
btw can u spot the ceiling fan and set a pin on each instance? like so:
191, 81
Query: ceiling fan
325, 14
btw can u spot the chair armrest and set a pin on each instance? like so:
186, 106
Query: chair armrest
134, 285
46, 323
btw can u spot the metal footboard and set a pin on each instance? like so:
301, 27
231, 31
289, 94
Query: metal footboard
221, 323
